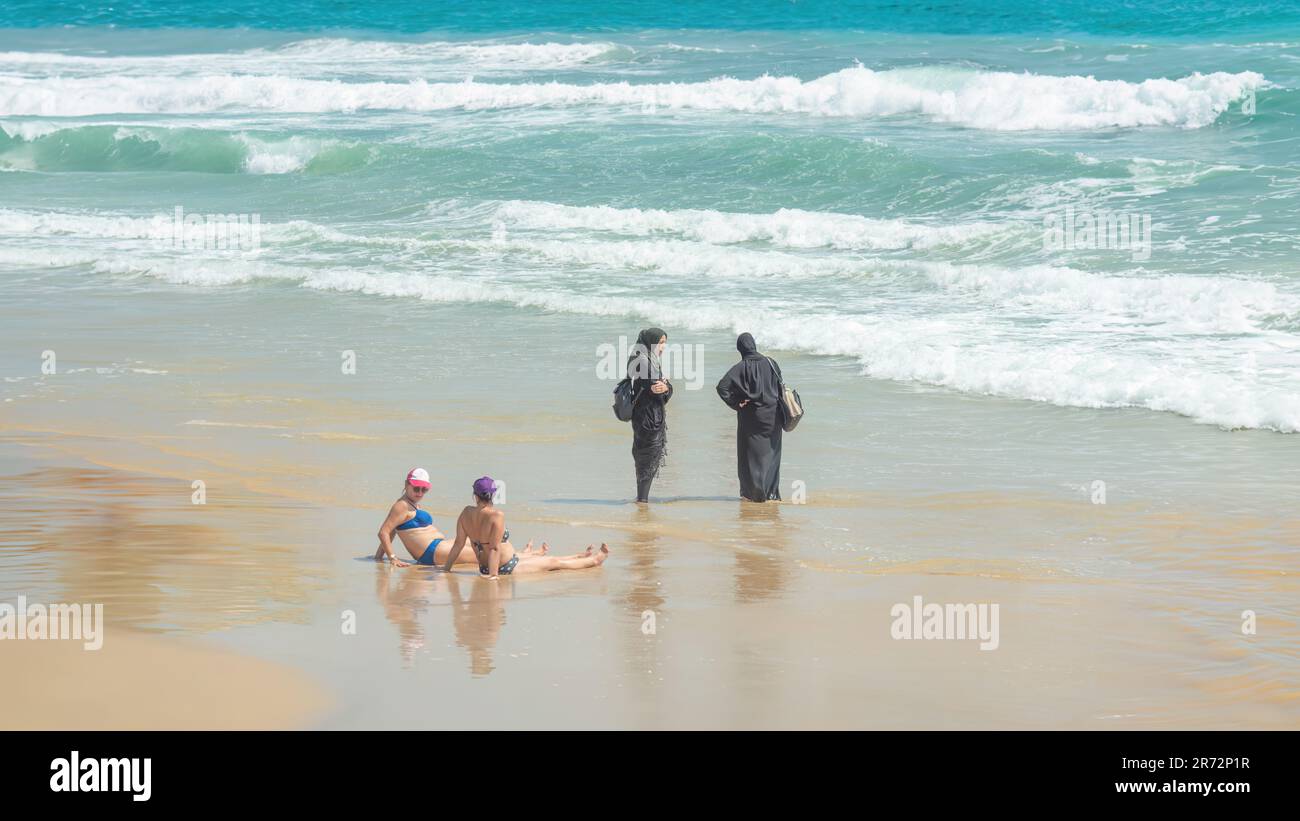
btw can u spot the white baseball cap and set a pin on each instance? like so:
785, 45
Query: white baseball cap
418, 477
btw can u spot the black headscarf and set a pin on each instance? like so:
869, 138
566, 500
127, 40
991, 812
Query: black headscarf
647, 342
746, 345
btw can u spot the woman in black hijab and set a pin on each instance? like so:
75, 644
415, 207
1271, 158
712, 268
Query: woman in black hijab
649, 420
752, 389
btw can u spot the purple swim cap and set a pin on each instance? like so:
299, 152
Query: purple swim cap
485, 487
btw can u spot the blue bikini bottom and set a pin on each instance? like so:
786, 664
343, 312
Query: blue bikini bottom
427, 558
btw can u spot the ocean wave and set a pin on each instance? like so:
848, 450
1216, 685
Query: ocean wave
1184, 304
999, 101
43, 146
677, 258
703, 250
787, 228
672, 257
96, 226
478, 54
964, 351
909, 349
1097, 183
286, 155
329, 56
690, 230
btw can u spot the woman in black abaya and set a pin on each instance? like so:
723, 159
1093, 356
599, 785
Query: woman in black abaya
752, 389
649, 418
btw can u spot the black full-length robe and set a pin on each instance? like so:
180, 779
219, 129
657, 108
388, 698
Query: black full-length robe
758, 424
649, 423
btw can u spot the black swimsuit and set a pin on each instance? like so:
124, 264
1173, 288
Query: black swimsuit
505, 569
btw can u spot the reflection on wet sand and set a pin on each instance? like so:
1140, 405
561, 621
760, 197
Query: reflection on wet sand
645, 594
478, 620
418, 593
762, 561
155, 560
405, 606
644, 605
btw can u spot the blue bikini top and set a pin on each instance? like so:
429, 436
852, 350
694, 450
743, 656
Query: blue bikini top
421, 519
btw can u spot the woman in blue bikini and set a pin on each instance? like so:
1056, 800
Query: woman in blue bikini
425, 542
482, 525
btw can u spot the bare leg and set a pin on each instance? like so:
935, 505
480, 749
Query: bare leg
586, 554
537, 564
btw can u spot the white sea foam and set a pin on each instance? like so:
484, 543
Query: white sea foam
698, 49
214, 269
1166, 343
936, 352
1057, 46
328, 56
1187, 304
1200, 304
106, 226
283, 156
262, 154
975, 99
787, 228
30, 129
678, 258
1145, 178
478, 53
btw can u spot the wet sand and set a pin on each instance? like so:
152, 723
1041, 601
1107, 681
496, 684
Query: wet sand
1122, 614
753, 631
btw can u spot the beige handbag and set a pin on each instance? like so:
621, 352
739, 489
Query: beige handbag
791, 404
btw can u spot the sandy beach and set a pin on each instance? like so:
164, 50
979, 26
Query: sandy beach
711, 612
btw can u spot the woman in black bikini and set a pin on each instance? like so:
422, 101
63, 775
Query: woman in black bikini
484, 526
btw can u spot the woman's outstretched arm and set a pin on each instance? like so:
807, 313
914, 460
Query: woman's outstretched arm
386, 531
458, 545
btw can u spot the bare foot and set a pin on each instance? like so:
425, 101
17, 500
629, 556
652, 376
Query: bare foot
602, 555
546, 548
528, 548
586, 553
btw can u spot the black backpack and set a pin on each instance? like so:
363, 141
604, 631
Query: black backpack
624, 400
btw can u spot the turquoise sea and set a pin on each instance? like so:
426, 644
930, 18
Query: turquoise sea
853, 180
